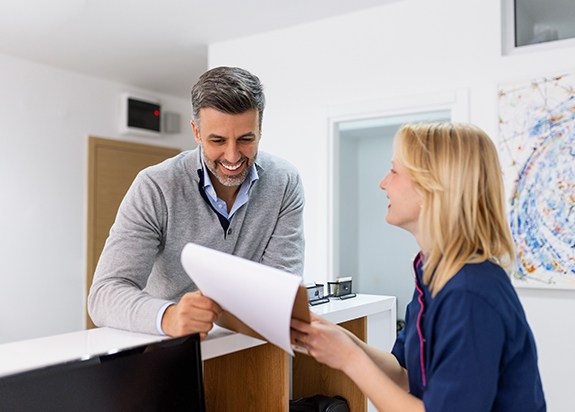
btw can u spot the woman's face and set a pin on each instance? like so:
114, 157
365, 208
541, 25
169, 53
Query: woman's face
404, 200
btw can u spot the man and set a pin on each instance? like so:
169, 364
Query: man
223, 195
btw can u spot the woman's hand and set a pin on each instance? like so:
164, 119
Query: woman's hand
334, 346
325, 341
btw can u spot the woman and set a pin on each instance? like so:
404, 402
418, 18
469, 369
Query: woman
466, 345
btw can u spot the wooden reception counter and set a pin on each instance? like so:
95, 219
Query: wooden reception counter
240, 372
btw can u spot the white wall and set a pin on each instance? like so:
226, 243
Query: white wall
402, 49
46, 116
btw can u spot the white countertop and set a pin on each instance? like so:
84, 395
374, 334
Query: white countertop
36, 353
222, 341
338, 311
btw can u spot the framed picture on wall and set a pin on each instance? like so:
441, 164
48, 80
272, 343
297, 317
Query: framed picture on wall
537, 149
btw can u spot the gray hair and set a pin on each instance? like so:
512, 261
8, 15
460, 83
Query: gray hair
229, 90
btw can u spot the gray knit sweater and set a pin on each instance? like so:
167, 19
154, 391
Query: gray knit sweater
139, 270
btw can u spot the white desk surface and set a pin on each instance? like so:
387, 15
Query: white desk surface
36, 353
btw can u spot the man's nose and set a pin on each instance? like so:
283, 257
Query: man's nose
232, 152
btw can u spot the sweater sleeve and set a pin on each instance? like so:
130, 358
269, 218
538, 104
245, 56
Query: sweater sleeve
116, 298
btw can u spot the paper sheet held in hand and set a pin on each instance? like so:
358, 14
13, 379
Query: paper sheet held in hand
257, 300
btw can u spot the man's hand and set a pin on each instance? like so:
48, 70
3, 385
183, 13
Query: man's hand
194, 313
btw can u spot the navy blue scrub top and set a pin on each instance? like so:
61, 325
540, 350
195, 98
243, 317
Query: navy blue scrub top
470, 348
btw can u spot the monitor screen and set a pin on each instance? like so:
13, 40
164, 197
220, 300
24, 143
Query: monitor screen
161, 376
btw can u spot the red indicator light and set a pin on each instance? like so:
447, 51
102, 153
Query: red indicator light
156, 112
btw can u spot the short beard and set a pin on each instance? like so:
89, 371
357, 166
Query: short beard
229, 181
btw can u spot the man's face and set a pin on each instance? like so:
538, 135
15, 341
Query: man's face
229, 143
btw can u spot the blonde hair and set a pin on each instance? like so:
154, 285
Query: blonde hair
463, 219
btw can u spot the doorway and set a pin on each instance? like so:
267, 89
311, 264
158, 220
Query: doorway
376, 255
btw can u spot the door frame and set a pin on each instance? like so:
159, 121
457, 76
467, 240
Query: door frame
456, 101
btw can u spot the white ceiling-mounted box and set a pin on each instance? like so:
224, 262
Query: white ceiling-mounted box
140, 115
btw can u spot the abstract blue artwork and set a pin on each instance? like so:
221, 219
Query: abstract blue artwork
537, 149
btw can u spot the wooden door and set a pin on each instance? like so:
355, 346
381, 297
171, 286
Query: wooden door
112, 166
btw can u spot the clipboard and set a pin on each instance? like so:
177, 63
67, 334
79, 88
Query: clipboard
300, 311
243, 288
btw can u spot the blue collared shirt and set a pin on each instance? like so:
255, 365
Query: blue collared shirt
241, 199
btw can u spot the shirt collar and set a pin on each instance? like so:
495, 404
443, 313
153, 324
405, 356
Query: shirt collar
209, 187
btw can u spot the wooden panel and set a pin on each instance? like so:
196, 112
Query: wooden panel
312, 378
252, 380
112, 166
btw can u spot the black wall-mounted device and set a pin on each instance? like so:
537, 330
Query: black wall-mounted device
141, 116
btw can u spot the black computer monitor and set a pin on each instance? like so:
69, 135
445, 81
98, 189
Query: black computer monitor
161, 376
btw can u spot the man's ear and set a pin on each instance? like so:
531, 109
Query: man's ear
196, 131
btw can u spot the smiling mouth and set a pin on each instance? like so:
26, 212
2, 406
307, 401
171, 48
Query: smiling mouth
232, 167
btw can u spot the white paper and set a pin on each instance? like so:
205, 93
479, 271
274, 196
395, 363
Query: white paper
260, 296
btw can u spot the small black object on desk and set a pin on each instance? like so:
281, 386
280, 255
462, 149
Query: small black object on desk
315, 294
341, 288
